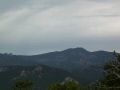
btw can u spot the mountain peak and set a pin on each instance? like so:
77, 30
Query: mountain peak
78, 49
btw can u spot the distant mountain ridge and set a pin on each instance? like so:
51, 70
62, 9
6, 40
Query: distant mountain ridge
86, 65
70, 55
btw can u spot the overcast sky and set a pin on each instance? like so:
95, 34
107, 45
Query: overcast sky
39, 26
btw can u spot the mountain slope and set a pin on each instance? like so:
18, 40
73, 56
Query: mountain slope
72, 59
82, 63
41, 75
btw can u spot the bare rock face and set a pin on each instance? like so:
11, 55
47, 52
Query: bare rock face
23, 73
69, 79
3, 69
38, 71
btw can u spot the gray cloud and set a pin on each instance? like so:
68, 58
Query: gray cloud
38, 26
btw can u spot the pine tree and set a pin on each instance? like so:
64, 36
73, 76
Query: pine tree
112, 72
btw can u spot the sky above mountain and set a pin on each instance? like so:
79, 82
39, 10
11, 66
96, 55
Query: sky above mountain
39, 26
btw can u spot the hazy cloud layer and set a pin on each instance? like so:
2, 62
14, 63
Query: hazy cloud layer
38, 26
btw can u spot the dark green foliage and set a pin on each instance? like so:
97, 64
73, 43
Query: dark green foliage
23, 85
71, 85
66, 85
112, 73
56, 86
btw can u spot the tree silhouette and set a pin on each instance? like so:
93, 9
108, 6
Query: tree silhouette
112, 72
